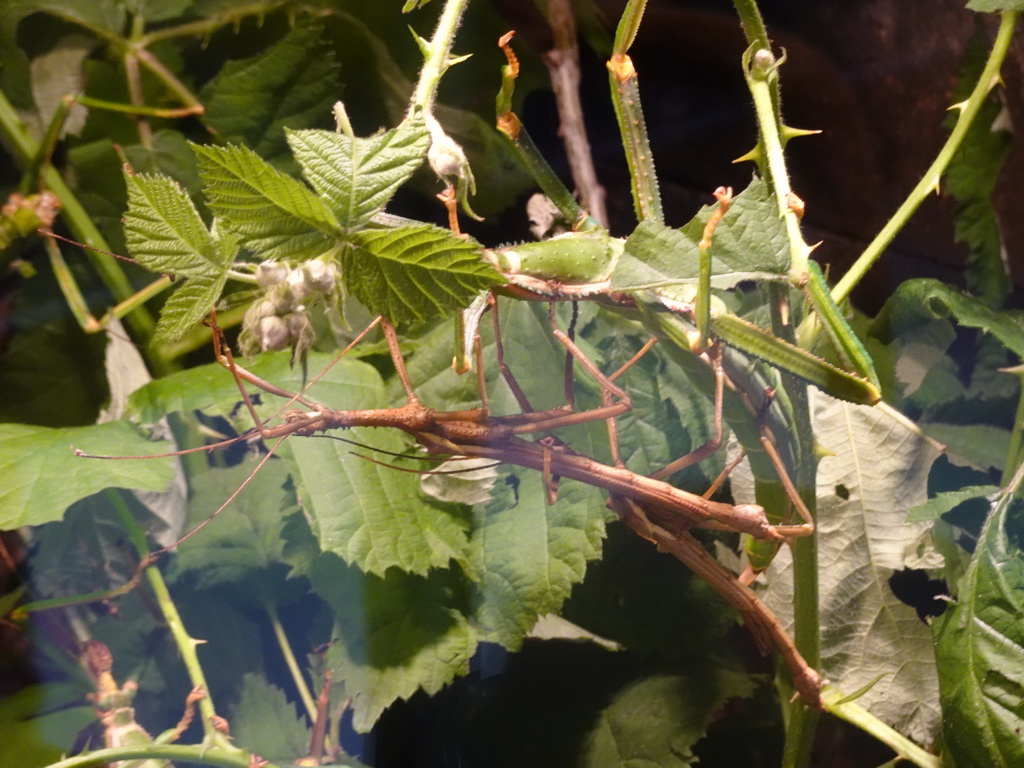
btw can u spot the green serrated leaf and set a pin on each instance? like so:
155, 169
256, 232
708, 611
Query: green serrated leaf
164, 231
921, 301
983, 446
358, 176
290, 85
30, 457
943, 502
274, 215
370, 515
979, 643
187, 306
415, 273
529, 555
265, 723
750, 244
394, 635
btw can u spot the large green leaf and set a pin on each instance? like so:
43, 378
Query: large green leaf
370, 515
31, 458
527, 555
979, 643
274, 215
415, 273
877, 469
291, 85
358, 176
750, 243
394, 634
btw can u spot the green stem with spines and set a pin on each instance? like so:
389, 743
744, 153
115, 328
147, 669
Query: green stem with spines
185, 642
438, 56
800, 721
930, 181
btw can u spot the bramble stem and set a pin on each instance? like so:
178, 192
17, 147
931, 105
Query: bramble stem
930, 181
800, 722
185, 642
438, 57
630, 117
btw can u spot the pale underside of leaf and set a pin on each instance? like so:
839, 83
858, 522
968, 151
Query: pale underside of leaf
879, 470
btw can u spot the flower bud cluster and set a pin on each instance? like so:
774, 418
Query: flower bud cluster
280, 319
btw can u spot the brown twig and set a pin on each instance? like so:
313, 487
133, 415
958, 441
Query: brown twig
563, 63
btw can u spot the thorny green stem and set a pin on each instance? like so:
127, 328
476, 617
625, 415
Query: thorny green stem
293, 666
930, 181
185, 642
438, 56
753, 24
853, 713
800, 721
760, 68
209, 26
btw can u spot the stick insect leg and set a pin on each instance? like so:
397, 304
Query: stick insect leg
506, 372
396, 358
699, 454
762, 623
570, 390
609, 390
